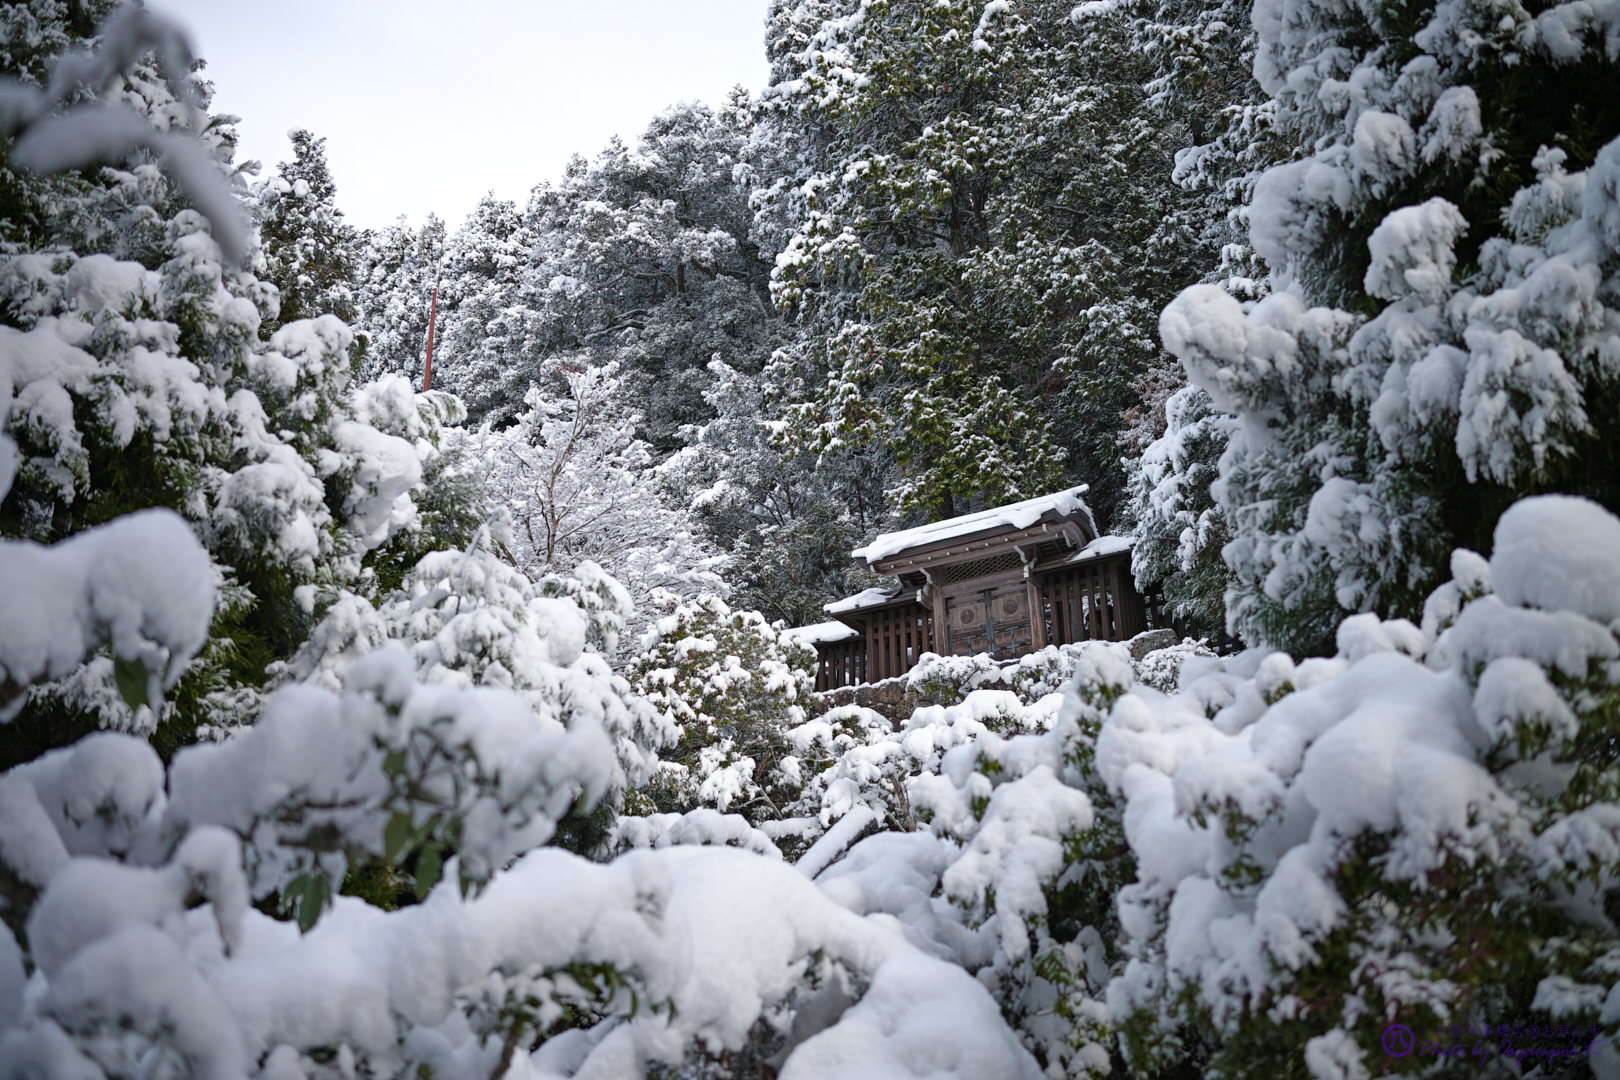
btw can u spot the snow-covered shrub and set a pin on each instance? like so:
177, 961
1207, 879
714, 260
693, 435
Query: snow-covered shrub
949, 679
1421, 829
852, 758
140, 586
1162, 668
995, 842
1009, 850
731, 685
1033, 676
395, 770
664, 955
469, 619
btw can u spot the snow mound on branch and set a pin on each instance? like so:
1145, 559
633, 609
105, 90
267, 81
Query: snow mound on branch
1585, 575
710, 937
505, 769
702, 826
1412, 252
142, 584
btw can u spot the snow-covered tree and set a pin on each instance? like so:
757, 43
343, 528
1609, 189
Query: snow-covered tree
678, 249
487, 346
137, 376
1419, 830
1441, 342
397, 272
579, 485
642, 257
788, 523
310, 251
1179, 527
981, 251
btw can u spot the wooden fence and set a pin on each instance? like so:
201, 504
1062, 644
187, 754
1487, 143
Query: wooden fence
841, 663
896, 638
1091, 601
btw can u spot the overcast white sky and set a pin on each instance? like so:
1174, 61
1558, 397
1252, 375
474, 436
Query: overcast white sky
426, 106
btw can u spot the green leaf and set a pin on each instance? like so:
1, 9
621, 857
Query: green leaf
132, 680
312, 893
427, 871
396, 835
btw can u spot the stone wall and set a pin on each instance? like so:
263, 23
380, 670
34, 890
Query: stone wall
888, 698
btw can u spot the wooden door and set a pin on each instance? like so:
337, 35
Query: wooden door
1012, 633
995, 620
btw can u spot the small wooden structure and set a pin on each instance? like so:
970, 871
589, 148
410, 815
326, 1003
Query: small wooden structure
1006, 581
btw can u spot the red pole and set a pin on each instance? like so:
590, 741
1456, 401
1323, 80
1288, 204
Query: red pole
433, 312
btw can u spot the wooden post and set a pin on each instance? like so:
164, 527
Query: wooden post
935, 598
872, 661
1037, 615
433, 314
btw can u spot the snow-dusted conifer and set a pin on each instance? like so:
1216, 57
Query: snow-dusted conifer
398, 270
1419, 829
1441, 343
486, 332
310, 250
134, 384
981, 249
788, 523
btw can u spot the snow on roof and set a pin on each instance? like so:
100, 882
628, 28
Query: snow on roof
1103, 545
1019, 515
864, 599
821, 633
